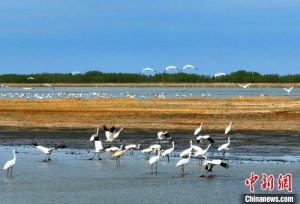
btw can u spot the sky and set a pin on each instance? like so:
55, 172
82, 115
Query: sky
62, 36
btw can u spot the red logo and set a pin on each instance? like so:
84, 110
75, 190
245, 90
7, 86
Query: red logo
284, 182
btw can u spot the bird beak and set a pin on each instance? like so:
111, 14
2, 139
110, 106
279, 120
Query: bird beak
17, 152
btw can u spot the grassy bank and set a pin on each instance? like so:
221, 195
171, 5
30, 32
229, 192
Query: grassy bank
261, 114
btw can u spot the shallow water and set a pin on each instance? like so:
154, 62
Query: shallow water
71, 178
34, 93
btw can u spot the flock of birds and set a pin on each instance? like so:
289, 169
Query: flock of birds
30, 94
112, 135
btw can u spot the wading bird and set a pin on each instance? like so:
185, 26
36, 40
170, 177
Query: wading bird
111, 134
209, 164
131, 147
94, 135
9, 165
198, 130
202, 153
167, 152
182, 162
48, 151
154, 160
148, 69
200, 138
228, 128
224, 147
186, 152
117, 156
163, 135
98, 147
188, 66
171, 67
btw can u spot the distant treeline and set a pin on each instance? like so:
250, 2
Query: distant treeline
240, 76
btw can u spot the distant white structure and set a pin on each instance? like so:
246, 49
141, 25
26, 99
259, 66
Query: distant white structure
148, 69
220, 74
171, 67
76, 72
188, 66
30, 78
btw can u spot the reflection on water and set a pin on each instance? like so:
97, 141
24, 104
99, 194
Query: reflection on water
42, 93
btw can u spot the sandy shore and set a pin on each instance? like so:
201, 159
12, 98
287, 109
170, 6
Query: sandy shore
261, 114
148, 84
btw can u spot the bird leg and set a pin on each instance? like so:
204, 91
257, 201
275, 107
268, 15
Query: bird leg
156, 167
92, 157
151, 168
99, 156
49, 157
168, 157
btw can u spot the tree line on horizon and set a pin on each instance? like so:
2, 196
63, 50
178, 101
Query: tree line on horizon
240, 76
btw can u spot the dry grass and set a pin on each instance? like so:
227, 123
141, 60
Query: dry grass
249, 114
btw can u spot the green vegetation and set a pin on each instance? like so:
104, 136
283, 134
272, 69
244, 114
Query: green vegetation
100, 77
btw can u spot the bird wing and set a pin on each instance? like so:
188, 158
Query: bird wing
43, 149
105, 128
211, 140
98, 146
197, 131
9, 164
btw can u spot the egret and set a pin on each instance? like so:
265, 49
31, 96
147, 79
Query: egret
224, 147
167, 152
182, 162
288, 90
186, 152
154, 160
48, 151
198, 130
200, 138
244, 86
228, 128
209, 164
9, 165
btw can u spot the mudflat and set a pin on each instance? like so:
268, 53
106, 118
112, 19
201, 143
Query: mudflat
253, 114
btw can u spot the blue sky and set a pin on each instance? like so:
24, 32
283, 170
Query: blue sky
127, 36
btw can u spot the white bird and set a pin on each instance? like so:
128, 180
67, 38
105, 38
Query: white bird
98, 147
167, 152
288, 90
114, 149
155, 147
171, 67
30, 78
9, 165
209, 164
48, 151
198, 130
188, 66
244, 86
117, 156
202, 153
186, 152
200, 138
111, 134
225, 146
94, 135
182, 162
154, 160
228, 128
147, 151
131, 147
163, 135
